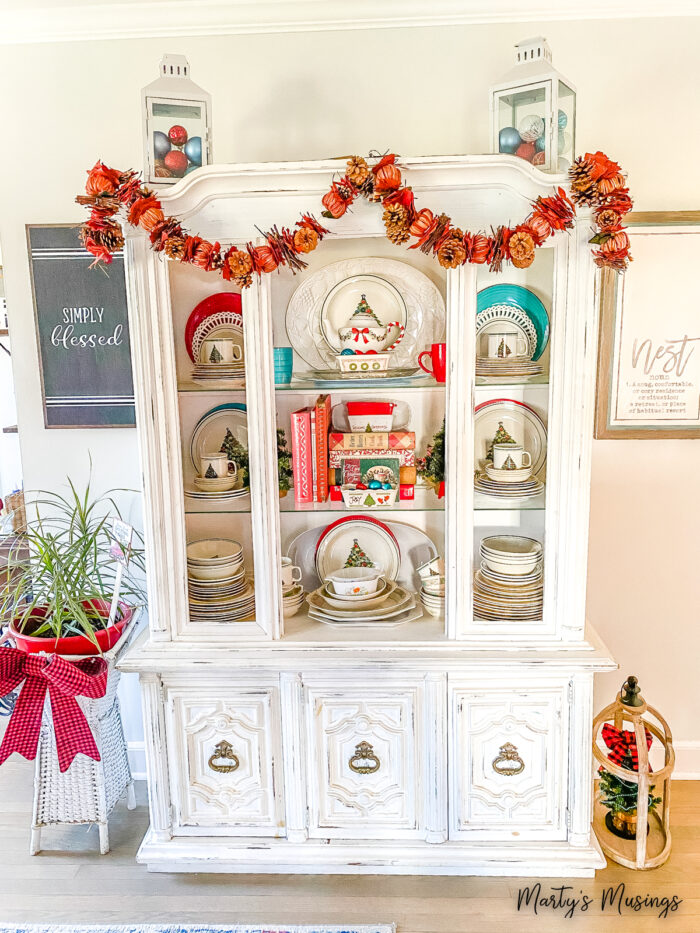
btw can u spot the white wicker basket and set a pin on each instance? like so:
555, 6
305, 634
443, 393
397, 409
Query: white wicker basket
88, 790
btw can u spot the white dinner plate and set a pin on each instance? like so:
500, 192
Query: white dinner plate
210, 431
521, 422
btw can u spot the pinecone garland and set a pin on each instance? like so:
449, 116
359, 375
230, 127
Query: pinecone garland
305, 240
357, 171
584, 190
396, 221
521, 247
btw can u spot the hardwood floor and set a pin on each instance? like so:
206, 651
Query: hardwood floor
70, 882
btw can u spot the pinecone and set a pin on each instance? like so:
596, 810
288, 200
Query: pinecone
240, 264
396, 221
521, 247
175, 247
584, 190
452, 252
357, 171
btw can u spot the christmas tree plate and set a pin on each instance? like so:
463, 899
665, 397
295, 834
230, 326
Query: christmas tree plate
515, 306
397, 292
221, 309
357, 542
212, 429
502, 419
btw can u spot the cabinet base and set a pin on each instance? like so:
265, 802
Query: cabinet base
277, 856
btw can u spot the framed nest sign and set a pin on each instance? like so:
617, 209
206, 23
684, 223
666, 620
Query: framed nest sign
649, 350
82, 332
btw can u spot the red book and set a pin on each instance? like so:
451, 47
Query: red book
301, 455
323, 421
314, 459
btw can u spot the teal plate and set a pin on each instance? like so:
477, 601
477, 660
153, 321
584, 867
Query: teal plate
518, 297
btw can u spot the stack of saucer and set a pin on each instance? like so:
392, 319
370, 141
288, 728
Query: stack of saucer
509, 585
220, 487
292, 600
218, 588
507, 366
432, 594
508, 484
361, 596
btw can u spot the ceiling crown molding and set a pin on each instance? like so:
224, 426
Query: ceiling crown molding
46, 21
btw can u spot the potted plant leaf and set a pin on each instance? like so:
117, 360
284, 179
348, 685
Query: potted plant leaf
432, 466
284, 463
620, 798
59, 581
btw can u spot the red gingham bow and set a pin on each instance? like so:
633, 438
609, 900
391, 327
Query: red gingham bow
65, 680
623, 744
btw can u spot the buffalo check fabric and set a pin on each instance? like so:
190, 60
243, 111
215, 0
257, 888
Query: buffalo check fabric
623, 745
64, 680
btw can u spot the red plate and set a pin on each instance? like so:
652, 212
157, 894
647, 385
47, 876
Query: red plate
221, 301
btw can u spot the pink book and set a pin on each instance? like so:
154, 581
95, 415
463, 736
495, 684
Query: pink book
302, 455
323, 420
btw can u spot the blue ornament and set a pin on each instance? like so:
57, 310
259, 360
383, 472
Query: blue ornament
193, 150
375, 484
386, 485
508, 139
562, 120
191, 168
347, 352
161, 145
539, 144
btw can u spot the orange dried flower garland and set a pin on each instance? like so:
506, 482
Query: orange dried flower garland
596, 182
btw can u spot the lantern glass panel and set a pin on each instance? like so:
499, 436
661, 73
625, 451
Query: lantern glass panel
177, 132
566, 123
522, 117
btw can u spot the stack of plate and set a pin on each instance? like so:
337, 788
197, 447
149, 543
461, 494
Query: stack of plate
390, 605
233, 374
511, 366
509, 584
218, 588
522, 489
292, 600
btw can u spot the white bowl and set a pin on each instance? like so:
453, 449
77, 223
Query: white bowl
512, 546
214, 551
215, 572
357, 581
434, 584
511, 568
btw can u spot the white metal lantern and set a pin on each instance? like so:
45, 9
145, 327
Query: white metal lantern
533, 110
177, 123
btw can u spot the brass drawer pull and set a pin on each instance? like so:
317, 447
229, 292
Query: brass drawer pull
508, 761
223, 750
364, 761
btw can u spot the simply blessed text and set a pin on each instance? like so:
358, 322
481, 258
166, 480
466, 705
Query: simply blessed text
64, 334
563, 899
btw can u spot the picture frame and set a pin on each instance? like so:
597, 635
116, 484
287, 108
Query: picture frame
648, 379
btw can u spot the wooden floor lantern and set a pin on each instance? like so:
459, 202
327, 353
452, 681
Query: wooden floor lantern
632, 808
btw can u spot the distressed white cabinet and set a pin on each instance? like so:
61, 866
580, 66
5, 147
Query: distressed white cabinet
450, 745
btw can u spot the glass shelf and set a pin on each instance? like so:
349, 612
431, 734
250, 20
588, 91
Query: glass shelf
339, 385
425, 501
492, 382
492, 503
210, 390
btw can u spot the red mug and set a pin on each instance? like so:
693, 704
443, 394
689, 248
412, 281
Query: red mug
438, 355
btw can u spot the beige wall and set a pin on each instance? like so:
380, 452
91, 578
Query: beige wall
417, 91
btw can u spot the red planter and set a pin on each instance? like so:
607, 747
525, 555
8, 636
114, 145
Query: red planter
75, 644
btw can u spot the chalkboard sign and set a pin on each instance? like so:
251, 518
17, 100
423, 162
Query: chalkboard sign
83, 332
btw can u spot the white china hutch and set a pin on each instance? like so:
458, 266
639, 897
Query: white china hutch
437, 699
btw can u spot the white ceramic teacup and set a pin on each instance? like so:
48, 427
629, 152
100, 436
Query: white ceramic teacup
504, 455
291, 574
217, 464
502, 344
220, 350
432, 568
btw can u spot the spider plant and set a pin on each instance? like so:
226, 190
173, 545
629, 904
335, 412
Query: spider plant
59, 573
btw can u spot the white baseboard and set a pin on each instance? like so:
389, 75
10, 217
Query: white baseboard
137, 760
687, 761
